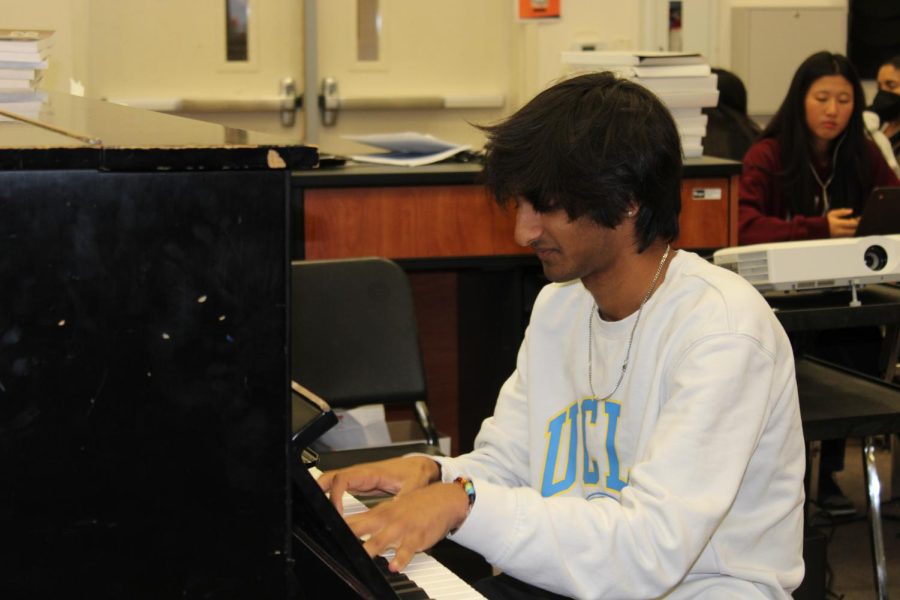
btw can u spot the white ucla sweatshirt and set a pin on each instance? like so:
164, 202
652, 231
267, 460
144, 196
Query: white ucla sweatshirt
686, 483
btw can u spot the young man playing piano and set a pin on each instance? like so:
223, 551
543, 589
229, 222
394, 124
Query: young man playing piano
648, 443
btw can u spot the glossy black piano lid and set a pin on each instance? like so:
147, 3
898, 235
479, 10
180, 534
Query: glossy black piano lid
143, 384
58, 131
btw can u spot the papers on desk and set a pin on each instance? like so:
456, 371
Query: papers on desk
406, 149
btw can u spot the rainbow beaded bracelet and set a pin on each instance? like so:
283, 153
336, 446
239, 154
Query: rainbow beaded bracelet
469, 488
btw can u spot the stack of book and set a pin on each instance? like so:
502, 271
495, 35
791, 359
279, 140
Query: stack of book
24, 55
682, 80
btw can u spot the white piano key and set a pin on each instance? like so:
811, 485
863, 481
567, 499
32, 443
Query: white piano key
439, 582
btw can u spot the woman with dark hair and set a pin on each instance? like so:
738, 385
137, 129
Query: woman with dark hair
808, 177
813, 167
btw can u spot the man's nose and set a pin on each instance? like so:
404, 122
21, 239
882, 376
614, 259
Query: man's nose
528, 224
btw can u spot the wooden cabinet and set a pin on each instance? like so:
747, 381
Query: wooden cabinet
437, 221
708, 213
443, 221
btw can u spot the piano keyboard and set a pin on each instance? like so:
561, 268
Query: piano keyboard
429, 576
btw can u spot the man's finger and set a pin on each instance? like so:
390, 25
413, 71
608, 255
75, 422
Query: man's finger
401, 558
324, 480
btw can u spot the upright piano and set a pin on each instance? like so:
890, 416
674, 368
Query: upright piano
144, 359
143, 355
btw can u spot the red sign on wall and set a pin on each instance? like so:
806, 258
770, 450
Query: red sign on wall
539, 9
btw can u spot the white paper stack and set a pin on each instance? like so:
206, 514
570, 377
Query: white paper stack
24, 54
406, 149
682, 80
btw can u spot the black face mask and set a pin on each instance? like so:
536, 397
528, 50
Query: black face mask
886, 105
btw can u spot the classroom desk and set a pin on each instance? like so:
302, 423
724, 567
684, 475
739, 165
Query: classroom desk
836, 403
473, 285
818, 310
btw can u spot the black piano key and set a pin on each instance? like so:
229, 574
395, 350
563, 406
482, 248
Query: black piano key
403, 586
406, 588
400, 582
416, 594
382, 564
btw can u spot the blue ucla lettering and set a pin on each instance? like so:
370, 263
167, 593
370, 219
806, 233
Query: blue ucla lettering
613, 478
589, 411
564, 421
560, 459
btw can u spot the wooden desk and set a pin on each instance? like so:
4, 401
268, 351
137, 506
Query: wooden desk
473, 285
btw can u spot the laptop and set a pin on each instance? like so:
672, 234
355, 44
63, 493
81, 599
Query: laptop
881, 214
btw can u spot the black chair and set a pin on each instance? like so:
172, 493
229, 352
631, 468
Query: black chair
355, 342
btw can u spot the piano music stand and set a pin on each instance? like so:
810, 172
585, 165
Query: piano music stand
310, 418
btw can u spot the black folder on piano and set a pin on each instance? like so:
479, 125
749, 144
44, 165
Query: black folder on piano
320, 534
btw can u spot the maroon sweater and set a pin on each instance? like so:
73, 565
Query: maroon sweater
762, 211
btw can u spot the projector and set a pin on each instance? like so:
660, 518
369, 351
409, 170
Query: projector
815, 264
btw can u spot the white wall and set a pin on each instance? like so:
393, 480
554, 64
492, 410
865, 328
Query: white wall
166, 48
431, 48
154, 50
723, 43
604, 24
157, 49
769, 43
69, 19
149, 52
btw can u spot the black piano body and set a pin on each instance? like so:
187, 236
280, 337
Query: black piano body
144, 378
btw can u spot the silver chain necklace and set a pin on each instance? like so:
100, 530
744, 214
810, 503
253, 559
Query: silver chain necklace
824, 186
637, 319
826, 204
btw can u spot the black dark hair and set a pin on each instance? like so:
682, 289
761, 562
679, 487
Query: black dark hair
732, 92
591, 145
894, 61
851, 181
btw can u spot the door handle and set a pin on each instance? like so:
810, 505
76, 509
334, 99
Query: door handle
331, 103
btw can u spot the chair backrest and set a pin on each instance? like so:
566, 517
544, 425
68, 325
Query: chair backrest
353, 332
